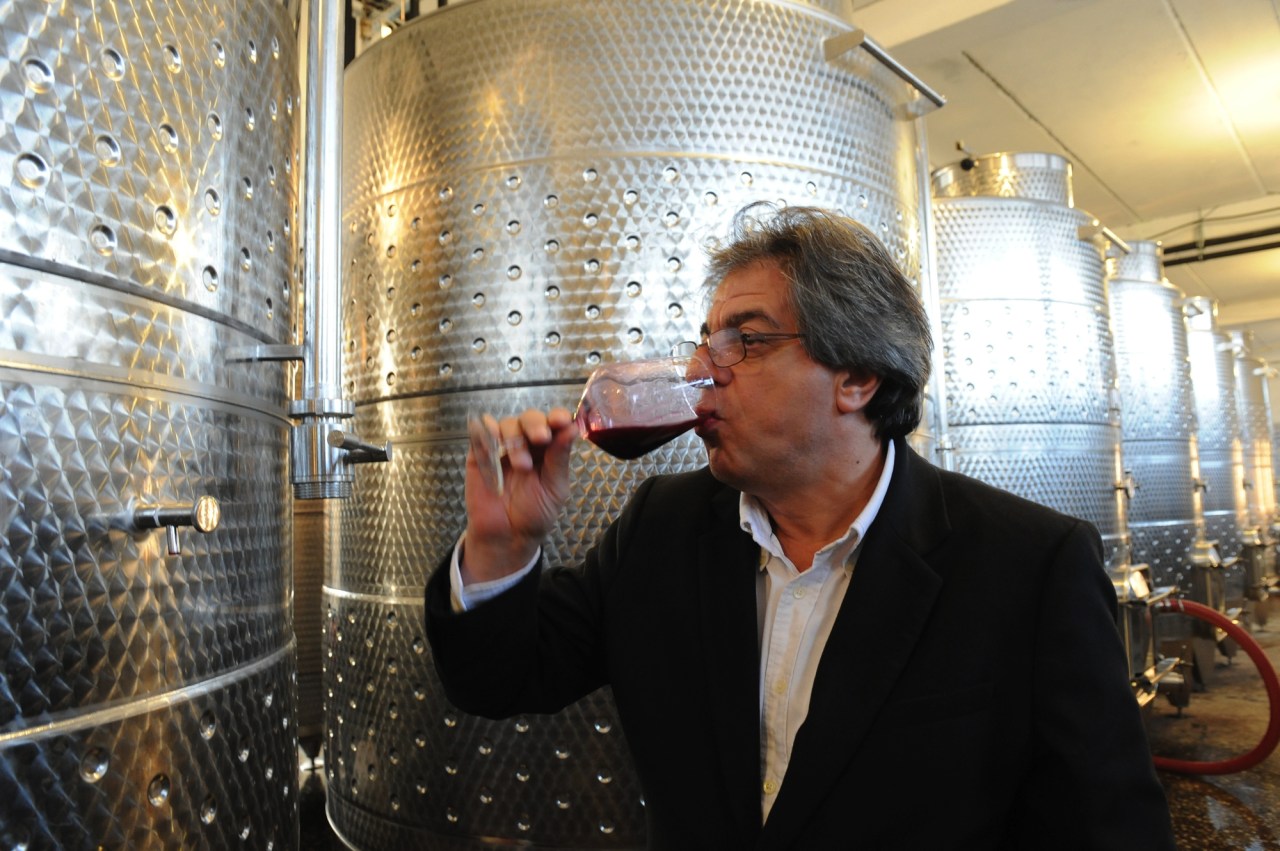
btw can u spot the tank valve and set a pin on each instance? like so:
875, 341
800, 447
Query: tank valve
1128, 485
359, 452
203, 514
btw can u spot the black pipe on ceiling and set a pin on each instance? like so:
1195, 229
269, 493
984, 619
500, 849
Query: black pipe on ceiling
1228, 252
1220, 240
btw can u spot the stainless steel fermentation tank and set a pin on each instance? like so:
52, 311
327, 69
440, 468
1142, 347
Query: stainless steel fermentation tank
529, 188
1028, 358
1166, 520
146, 234
1161, 451
1027, 349
1210, 354
1253, 405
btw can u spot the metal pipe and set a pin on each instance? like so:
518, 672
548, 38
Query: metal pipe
944, 456
1214, 255
319, 468
1199, 244
841, 44
322, 201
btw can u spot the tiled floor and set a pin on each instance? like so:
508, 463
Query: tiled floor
1213, 813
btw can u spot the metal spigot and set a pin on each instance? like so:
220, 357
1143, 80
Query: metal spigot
203, 515
359, 452
1129, 485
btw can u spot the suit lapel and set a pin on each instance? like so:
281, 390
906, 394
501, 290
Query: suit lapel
890, 597
727, 564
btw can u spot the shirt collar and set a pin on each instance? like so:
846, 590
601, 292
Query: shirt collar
755, 521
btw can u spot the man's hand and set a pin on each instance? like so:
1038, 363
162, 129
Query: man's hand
505, 530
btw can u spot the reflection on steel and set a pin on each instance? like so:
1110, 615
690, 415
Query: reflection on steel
1210, 354
1254, 406
529, 187
1027, 348
317, 468
203, 515
1026, 175
1159, 424
146, 229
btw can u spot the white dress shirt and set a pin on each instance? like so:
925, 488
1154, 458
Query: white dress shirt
795, 612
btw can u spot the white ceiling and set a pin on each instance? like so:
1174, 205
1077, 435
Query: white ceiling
1169, 111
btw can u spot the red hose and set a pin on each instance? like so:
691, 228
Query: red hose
1272, 736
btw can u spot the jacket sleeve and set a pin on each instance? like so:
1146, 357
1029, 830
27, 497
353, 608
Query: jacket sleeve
1092, 783
538, 646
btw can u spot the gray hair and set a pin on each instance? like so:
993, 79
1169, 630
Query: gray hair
853, 304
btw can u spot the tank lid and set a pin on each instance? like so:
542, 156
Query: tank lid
1032, 175
1144, 262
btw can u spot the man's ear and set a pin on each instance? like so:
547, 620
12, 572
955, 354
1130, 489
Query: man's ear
854, 389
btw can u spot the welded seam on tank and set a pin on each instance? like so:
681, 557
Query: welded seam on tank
358, 204
1002, 203
801, 8
63, 372
73, 721
477, 388
39, 264
398, 834
359, 597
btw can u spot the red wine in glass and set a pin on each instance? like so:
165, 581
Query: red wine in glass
627, 409
631, 442
631, 408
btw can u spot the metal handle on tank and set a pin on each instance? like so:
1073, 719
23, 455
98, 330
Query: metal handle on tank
841, 44
1128, 484
1096, 228
359, 452
203, 515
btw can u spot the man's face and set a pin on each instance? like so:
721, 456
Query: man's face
775, 410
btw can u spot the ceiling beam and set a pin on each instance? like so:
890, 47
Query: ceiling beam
1247, 312
895, 22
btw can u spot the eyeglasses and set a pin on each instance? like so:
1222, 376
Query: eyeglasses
728, 346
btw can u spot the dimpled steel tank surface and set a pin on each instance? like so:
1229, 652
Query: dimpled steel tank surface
146, 229
1209, 352
1159, 421
1027, 351
528, 190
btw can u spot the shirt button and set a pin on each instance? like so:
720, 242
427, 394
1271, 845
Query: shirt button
770, 787
798, 593
779, 686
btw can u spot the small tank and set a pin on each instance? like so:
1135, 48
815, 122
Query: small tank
1166, 523
1027, 350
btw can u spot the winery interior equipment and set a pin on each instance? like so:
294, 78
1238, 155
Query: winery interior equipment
260, 259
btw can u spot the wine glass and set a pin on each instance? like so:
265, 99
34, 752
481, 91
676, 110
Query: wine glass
631, 408
627, 409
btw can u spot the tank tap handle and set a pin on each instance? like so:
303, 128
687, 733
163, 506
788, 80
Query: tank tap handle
1128, 484
203, 515
359, 452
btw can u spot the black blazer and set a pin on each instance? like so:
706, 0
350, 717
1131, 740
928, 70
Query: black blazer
973, 693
